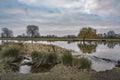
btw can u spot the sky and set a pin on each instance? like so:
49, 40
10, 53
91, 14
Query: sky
60, 17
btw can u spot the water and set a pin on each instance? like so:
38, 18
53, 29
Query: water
104, 55
25, 69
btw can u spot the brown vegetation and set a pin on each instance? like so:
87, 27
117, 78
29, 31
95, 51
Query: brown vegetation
28, 48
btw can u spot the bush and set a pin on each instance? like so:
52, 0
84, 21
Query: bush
67, 59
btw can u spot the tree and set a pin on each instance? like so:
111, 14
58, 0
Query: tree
6, 33
105, 35
111, 34
88, 33
22, 36
32, 31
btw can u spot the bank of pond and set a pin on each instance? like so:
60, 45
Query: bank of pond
20, 61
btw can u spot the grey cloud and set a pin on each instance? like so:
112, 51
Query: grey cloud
62, 15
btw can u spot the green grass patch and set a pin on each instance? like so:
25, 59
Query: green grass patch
10, 52
67, 59
44, 61
82, 63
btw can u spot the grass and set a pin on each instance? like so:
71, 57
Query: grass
82, 63
10, 52
59, 72
12, 45
67, 59
7, 56
106, 75
58, 39
44, 61
5, 65
41, 39
55, 66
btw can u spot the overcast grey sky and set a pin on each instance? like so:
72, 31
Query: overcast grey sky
60, 17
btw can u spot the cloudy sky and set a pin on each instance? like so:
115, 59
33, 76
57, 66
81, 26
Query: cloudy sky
60, 17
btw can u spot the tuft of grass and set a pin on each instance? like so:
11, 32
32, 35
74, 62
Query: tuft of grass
12, 45
82, 63
67, 59
7, 56
5, 65
44, 60
47, 60
10, 52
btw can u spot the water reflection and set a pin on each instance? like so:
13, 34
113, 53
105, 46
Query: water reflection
110, 45
90, 47
87, 47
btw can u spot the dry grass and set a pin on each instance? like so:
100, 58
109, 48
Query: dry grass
106, 75
28, 48
59, 72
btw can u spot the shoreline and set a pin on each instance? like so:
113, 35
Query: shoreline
60, 39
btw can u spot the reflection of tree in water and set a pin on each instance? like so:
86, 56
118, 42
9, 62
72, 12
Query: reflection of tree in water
111, 45
119, 43
87, 48
3, 41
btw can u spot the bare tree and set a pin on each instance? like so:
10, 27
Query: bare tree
32, 31
111, 34
6, 33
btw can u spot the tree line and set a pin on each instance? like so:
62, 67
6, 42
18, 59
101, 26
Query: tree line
32, 31
91, 33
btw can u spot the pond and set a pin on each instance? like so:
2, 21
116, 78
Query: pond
104, 55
